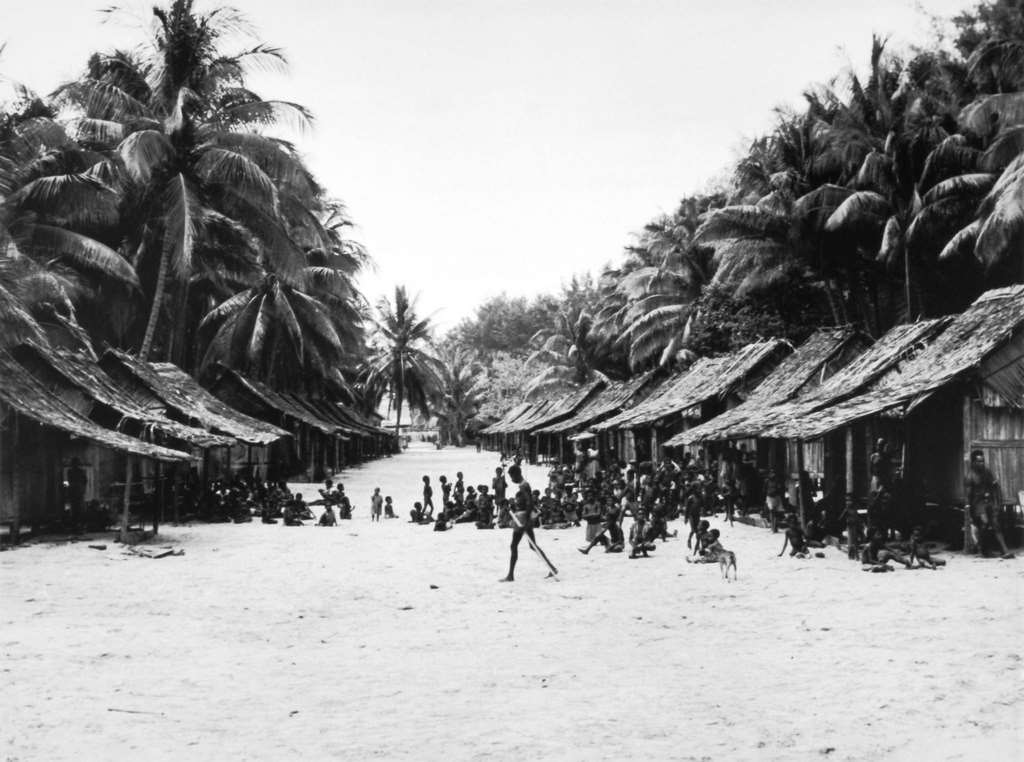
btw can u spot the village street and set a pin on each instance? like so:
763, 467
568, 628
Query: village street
391, 641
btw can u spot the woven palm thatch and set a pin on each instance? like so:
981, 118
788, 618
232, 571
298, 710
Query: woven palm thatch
71, 372
610, 401
709, 378
884, 356
22, 392
261, 395
563, 407
177, 390
799, 369
992, 322
498, 427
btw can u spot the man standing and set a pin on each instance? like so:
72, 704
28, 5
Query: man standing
522, 519
984, 499
881, 467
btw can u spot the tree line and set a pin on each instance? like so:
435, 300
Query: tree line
150, 205
890, 195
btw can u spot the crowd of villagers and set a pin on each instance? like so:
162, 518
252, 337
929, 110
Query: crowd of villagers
601, 498
885, 532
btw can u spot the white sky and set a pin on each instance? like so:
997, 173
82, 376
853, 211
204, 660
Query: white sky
488, 146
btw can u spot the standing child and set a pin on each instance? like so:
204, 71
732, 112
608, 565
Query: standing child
428, 497
376, 503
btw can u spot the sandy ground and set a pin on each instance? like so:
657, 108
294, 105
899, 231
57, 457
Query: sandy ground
275, 643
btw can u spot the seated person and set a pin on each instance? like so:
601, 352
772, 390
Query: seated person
484, 509
918, 549
795, 538
638, 535
327, 518
294, 510
389, 508
328, 494
441, 524
504, 515
344, 504
875, 555
417, 515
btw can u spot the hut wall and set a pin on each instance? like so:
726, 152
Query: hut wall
30, 471
999, 433
935, 464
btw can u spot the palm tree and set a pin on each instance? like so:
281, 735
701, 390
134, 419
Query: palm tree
458, 396
572, 350
402, 362
647, 305
186, 152
53, 201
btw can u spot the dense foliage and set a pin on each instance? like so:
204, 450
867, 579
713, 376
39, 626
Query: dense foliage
148, 205
893, 194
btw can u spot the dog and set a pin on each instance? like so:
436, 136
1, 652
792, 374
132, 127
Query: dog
727, 560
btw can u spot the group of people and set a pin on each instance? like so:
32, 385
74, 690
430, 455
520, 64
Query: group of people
650, 495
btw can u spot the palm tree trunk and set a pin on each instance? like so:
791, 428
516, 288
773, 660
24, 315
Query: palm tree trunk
906, 281
154, 311
398, 421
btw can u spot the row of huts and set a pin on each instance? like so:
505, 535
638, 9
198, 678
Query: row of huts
934, 390
137, 427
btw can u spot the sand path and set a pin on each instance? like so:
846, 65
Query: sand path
276, 643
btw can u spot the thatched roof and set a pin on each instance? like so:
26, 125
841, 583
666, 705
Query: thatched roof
526, 420
564, 407
67, 373
707, 379
179, 391
884, 356
230, 383
498, 426
221, 416
326, 412
796, 372
610, 401
23, 393
986, 326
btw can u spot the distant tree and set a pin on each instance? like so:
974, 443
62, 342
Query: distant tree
402, 362
457, 399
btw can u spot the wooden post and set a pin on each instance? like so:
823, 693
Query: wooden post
158, 509
176, 495
849, 460
801, 497
968, 438
127, 497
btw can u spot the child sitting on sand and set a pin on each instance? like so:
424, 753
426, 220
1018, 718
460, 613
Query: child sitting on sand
294, 511
917, 549
876, 554
441, 524
484, 509
389, 508
797, 539
327, 518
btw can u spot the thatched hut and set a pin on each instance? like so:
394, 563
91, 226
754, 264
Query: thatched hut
40, 435
167, 388
611, 401
964, 391
710, 387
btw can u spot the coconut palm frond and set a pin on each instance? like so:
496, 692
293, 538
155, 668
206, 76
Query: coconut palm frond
859, 209
976, 184
961, 245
